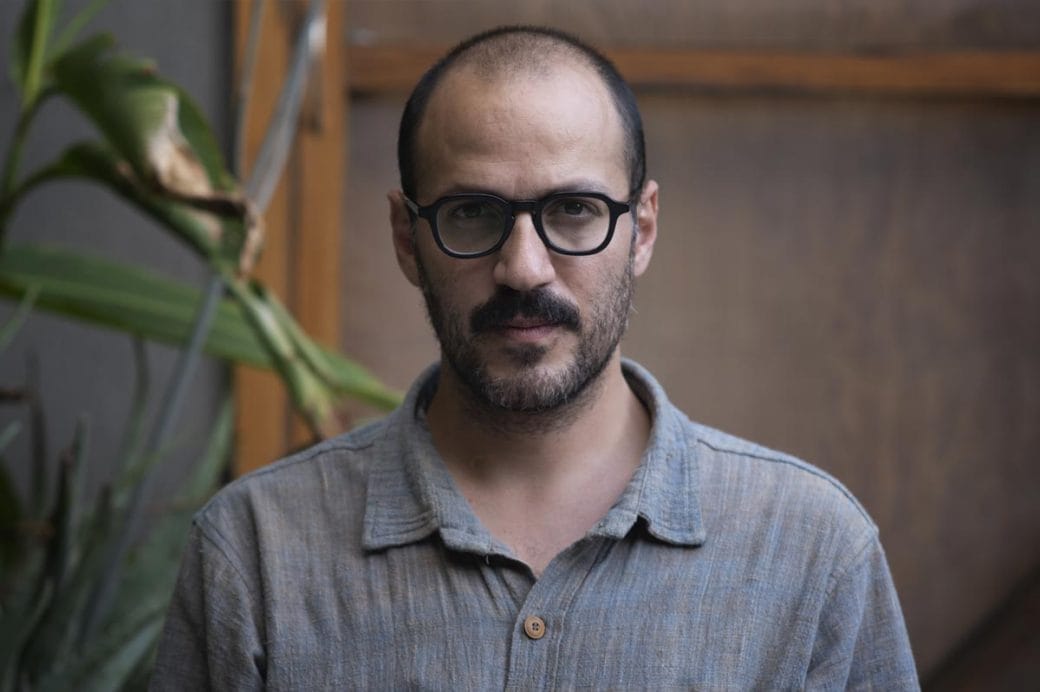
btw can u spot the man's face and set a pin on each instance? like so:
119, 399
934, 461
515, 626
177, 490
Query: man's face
525, 329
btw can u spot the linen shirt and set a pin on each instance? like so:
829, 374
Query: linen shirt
357, 564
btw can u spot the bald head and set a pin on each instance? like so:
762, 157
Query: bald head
518, 53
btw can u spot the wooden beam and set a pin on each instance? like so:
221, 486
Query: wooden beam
300, 260
261, 403
320, 177
377, 68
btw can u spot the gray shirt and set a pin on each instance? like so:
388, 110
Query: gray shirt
357, 564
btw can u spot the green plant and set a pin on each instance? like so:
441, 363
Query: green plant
81, 596
55, 553
156, 151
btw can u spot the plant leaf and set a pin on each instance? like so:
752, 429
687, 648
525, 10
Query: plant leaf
52, 641
135, 110
30, 599
54, 636
133, 430
11, 545
69, 33
277, 144
8, 434
124, 297
13, 325
112, 658
29, 48
200, 229
205, 477
148, 577
160, 143
141, 302
162, 151
37, 440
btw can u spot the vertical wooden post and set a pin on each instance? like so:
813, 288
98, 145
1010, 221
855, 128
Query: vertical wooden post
320, 179
300, 260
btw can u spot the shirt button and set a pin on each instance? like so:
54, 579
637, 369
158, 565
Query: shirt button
534, 627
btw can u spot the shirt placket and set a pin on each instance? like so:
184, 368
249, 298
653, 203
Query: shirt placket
542, 623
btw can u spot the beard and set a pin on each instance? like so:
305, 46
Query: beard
530, 386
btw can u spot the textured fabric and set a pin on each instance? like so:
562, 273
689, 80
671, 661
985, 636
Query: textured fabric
357, 564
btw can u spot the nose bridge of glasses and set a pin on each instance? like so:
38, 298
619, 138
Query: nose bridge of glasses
523, 206
517, 208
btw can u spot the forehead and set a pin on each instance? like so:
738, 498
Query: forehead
520, 133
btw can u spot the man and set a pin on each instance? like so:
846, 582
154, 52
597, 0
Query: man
536, 515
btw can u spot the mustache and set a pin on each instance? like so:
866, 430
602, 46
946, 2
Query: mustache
508, 303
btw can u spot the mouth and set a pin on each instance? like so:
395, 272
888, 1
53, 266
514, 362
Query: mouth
527, 329
525, 319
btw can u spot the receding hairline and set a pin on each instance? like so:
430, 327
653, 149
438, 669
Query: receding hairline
521, 52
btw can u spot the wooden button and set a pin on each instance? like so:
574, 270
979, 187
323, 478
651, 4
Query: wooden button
534, 627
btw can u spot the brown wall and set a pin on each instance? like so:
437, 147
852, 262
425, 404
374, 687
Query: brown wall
854, 280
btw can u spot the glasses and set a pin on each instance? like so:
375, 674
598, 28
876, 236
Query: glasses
477, 224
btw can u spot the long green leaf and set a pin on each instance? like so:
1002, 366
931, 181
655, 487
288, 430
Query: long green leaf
72, 29
122, 96
10, 509
29, 49
124, 297
163, 148
55, 635
112, 660
149, 573
130, 447
16, 625
98, 163
37, 439
205, 477
140, 302
11, 327
152, 123
7, 435
274, 152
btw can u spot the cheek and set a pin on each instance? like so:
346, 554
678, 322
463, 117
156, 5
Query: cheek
459, 285
595, 278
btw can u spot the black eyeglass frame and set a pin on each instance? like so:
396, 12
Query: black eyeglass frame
533, 206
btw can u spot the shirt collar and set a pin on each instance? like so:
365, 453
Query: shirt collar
411, 495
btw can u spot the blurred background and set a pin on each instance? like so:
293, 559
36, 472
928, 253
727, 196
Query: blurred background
848, 265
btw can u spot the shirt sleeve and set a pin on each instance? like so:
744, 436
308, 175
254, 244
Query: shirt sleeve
861, 641
212, 638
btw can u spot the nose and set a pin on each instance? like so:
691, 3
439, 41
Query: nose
524, 263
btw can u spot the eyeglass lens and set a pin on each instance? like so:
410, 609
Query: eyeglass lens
572, 223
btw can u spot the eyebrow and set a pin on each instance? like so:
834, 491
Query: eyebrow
575, 185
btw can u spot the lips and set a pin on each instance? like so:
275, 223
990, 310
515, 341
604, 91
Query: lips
526, 330
527, 323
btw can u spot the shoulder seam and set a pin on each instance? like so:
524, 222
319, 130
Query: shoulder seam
801, 466
337, 444
842, 570
204, 534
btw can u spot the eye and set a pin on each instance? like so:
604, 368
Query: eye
571, 209
574, 207
470, 210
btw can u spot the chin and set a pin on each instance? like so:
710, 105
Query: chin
528, 382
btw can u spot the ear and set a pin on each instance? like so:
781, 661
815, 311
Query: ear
646, 228
402, 224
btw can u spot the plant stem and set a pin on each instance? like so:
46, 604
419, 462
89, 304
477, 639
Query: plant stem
105, 589
8, 184
37, 52
281, 129
68, 34
245, 87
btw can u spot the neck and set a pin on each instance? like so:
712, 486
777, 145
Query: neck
606, 425
572, 465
